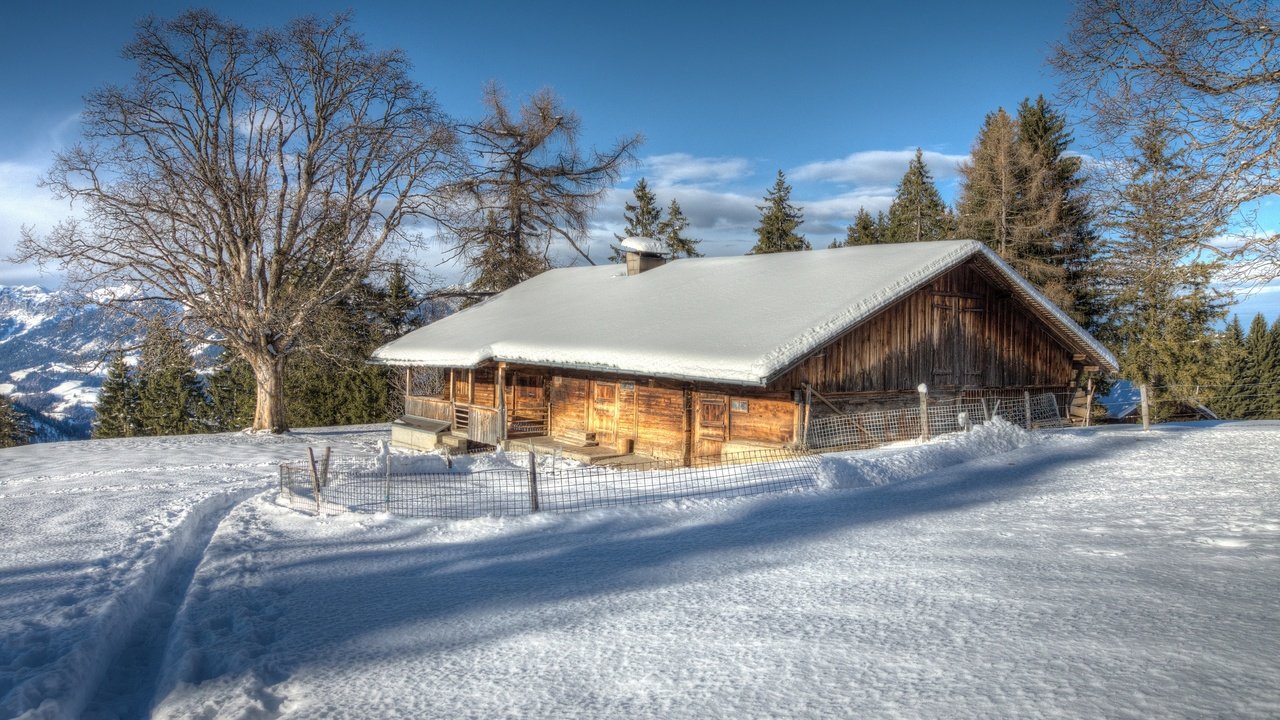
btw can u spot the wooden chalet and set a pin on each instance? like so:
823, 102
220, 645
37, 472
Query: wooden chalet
705, 356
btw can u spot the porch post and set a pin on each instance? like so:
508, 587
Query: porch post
500, 389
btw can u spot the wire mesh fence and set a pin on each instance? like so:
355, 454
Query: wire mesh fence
863, 430
514, 483
487, 483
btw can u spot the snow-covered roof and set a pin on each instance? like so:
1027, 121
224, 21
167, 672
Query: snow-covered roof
738, 320
645, 245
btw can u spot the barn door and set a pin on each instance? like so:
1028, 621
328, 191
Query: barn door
957, 353
603, 413
710, 424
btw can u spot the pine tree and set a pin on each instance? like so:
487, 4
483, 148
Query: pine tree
644, 218
15, 426
671, 231
864, 230
1163, 306
1271, 373
991, 186
1022, 195
1231, 401
117, 407
1058, 243
230, 389
170, 399
1261, 371
400, 313
918, 212
779, 220
503, 259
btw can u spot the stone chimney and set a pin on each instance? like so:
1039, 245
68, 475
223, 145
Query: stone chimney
643, 253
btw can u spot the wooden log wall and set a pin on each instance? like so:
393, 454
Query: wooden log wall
569, 397
959, 332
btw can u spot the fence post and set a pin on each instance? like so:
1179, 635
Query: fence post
924, 411
808, 409
1088, 405
1026, 406
315, 477
533, 483
388, 477
1146, 408
324, 468
281, 469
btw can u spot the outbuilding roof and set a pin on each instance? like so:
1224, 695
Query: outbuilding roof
738, 320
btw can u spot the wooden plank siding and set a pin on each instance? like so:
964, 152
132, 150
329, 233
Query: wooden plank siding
959, 332
569, 397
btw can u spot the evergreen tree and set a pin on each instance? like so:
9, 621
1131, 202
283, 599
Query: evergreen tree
15, 426
170, 399
671, 231
779, 220
400, 314
1163, 306
230, 389
503, 259
991, 189
1232, 401
917, 213
1057, 240
864, 230
1257, 382
1022, 195
117, 408
1271, 373
644, 218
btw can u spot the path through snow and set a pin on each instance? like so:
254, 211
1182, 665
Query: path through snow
1106, 572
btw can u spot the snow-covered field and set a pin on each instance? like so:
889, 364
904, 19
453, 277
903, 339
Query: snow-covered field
1084, 573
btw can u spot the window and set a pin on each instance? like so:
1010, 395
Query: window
739, 406
711, 413
604, 392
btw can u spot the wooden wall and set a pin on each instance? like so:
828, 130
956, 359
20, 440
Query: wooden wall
662, 420
959, 332
568, 397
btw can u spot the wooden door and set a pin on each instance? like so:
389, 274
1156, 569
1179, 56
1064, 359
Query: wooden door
602, 413
957, 345
710, 424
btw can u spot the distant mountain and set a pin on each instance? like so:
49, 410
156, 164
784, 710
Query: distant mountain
51, 356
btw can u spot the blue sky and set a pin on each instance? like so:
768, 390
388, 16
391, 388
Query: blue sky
838, 95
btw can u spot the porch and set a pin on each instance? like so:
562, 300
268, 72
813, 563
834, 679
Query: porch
524, 427
481, 423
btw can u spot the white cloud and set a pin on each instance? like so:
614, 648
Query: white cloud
23, 203
683, 168
877, 168
844, 207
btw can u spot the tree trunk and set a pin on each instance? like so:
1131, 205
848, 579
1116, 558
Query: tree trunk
268, 374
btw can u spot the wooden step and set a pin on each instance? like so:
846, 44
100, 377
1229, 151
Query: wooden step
455, 441
581, 438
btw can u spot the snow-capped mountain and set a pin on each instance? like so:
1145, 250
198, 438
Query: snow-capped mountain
52, 356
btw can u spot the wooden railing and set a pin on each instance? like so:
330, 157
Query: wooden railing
528, 422
484, 425
477, 422
428, 407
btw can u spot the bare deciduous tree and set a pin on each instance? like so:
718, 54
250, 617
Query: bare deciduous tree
1212, 68
252, 177
532, 185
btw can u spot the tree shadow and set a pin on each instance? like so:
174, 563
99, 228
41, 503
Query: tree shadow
397, 592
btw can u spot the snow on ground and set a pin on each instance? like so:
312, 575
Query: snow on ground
1102, 572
